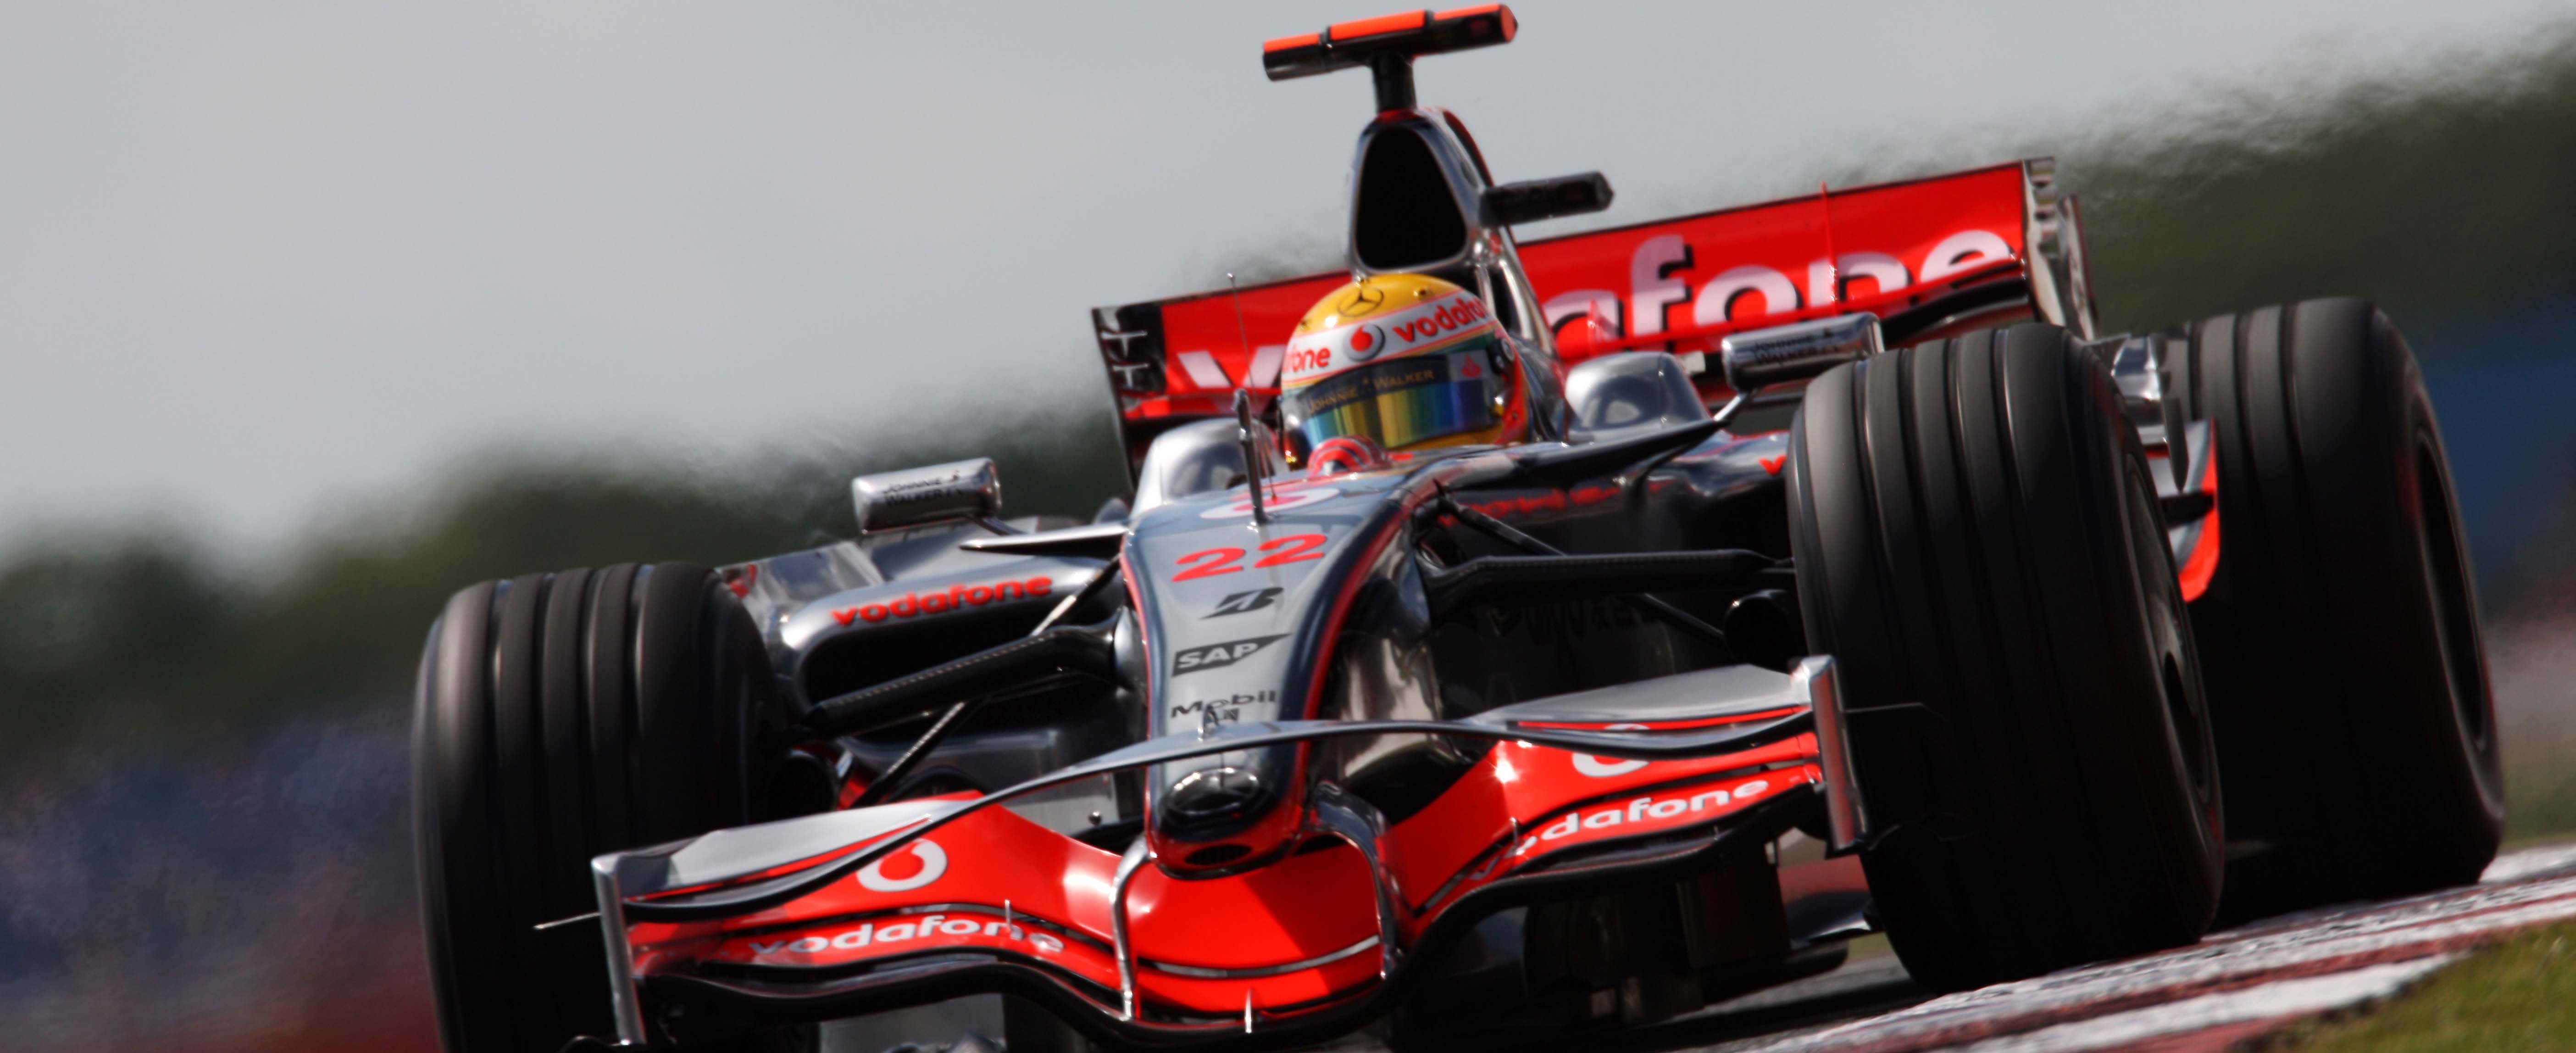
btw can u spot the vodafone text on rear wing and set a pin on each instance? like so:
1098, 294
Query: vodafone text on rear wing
1931, 257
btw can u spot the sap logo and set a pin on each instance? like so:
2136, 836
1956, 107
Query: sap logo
930, 926
1214, 711
958, 597
907, 868
1245, 601
1193, 659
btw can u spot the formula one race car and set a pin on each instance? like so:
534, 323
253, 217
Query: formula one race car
1540, 638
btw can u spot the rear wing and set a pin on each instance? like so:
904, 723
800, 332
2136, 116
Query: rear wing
1930, 257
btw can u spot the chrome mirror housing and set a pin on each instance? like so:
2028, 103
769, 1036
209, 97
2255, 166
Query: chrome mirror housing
1631, 391
1787, 353
970, 490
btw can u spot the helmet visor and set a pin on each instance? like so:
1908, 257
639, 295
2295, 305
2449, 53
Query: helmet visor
1399, 402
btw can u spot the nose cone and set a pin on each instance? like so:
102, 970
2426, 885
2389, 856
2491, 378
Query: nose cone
1220, 818
1215, 802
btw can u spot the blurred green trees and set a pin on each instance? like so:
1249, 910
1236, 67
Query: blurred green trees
2436, 199
2443, 200
112, 628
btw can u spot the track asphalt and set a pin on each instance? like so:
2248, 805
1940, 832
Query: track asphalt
2232, 986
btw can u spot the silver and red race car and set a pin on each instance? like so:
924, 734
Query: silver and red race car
1841, 579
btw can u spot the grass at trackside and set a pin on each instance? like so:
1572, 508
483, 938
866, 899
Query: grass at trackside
1873, 945
2540, 797
2518, 995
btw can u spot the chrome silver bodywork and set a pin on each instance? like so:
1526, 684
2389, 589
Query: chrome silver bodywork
969, 489
1781, 354
1629, 393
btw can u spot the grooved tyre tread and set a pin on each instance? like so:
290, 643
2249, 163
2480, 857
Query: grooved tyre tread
1979, 548
2340, 631
560, 716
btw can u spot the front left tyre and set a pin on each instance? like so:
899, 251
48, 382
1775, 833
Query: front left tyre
558, 717
1980, 548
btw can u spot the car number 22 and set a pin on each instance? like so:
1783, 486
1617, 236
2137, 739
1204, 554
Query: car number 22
1210, 562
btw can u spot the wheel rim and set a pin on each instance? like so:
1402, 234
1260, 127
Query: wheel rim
2177, 666
2455, 616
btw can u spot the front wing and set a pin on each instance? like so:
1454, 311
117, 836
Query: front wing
861, 911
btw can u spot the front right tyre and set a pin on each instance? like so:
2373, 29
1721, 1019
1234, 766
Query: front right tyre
559, 717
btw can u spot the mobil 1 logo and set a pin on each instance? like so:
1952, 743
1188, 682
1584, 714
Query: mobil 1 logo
1213, 712
1212, 656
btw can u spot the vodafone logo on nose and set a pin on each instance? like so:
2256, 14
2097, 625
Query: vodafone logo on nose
909, 868
1603, 769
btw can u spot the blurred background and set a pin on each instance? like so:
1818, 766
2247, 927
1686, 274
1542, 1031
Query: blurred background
311, 314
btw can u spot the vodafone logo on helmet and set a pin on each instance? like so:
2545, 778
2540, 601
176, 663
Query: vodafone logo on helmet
1314, 356
1446, 315
908, 868
1311, 357
1365, 342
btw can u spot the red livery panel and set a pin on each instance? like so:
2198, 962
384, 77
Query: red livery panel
1295, 932
1676, 284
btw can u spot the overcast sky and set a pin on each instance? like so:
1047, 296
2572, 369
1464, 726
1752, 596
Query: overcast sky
258, 259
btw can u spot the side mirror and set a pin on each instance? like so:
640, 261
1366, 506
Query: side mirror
1629, 392
1531, 200
970, 490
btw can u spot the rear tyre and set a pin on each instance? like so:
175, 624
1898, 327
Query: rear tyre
2340, 632
560, 716
1980, 549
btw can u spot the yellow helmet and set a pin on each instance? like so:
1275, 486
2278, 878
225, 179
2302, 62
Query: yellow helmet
1405, 361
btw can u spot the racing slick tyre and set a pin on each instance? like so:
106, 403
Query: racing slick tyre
2340, 630
1980, 549
560, 716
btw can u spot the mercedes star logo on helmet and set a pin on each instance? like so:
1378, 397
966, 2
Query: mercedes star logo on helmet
1361, 300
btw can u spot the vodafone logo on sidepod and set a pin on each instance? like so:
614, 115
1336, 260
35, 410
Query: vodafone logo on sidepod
914, 604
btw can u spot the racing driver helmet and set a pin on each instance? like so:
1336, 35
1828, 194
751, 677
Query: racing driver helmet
1403, 361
